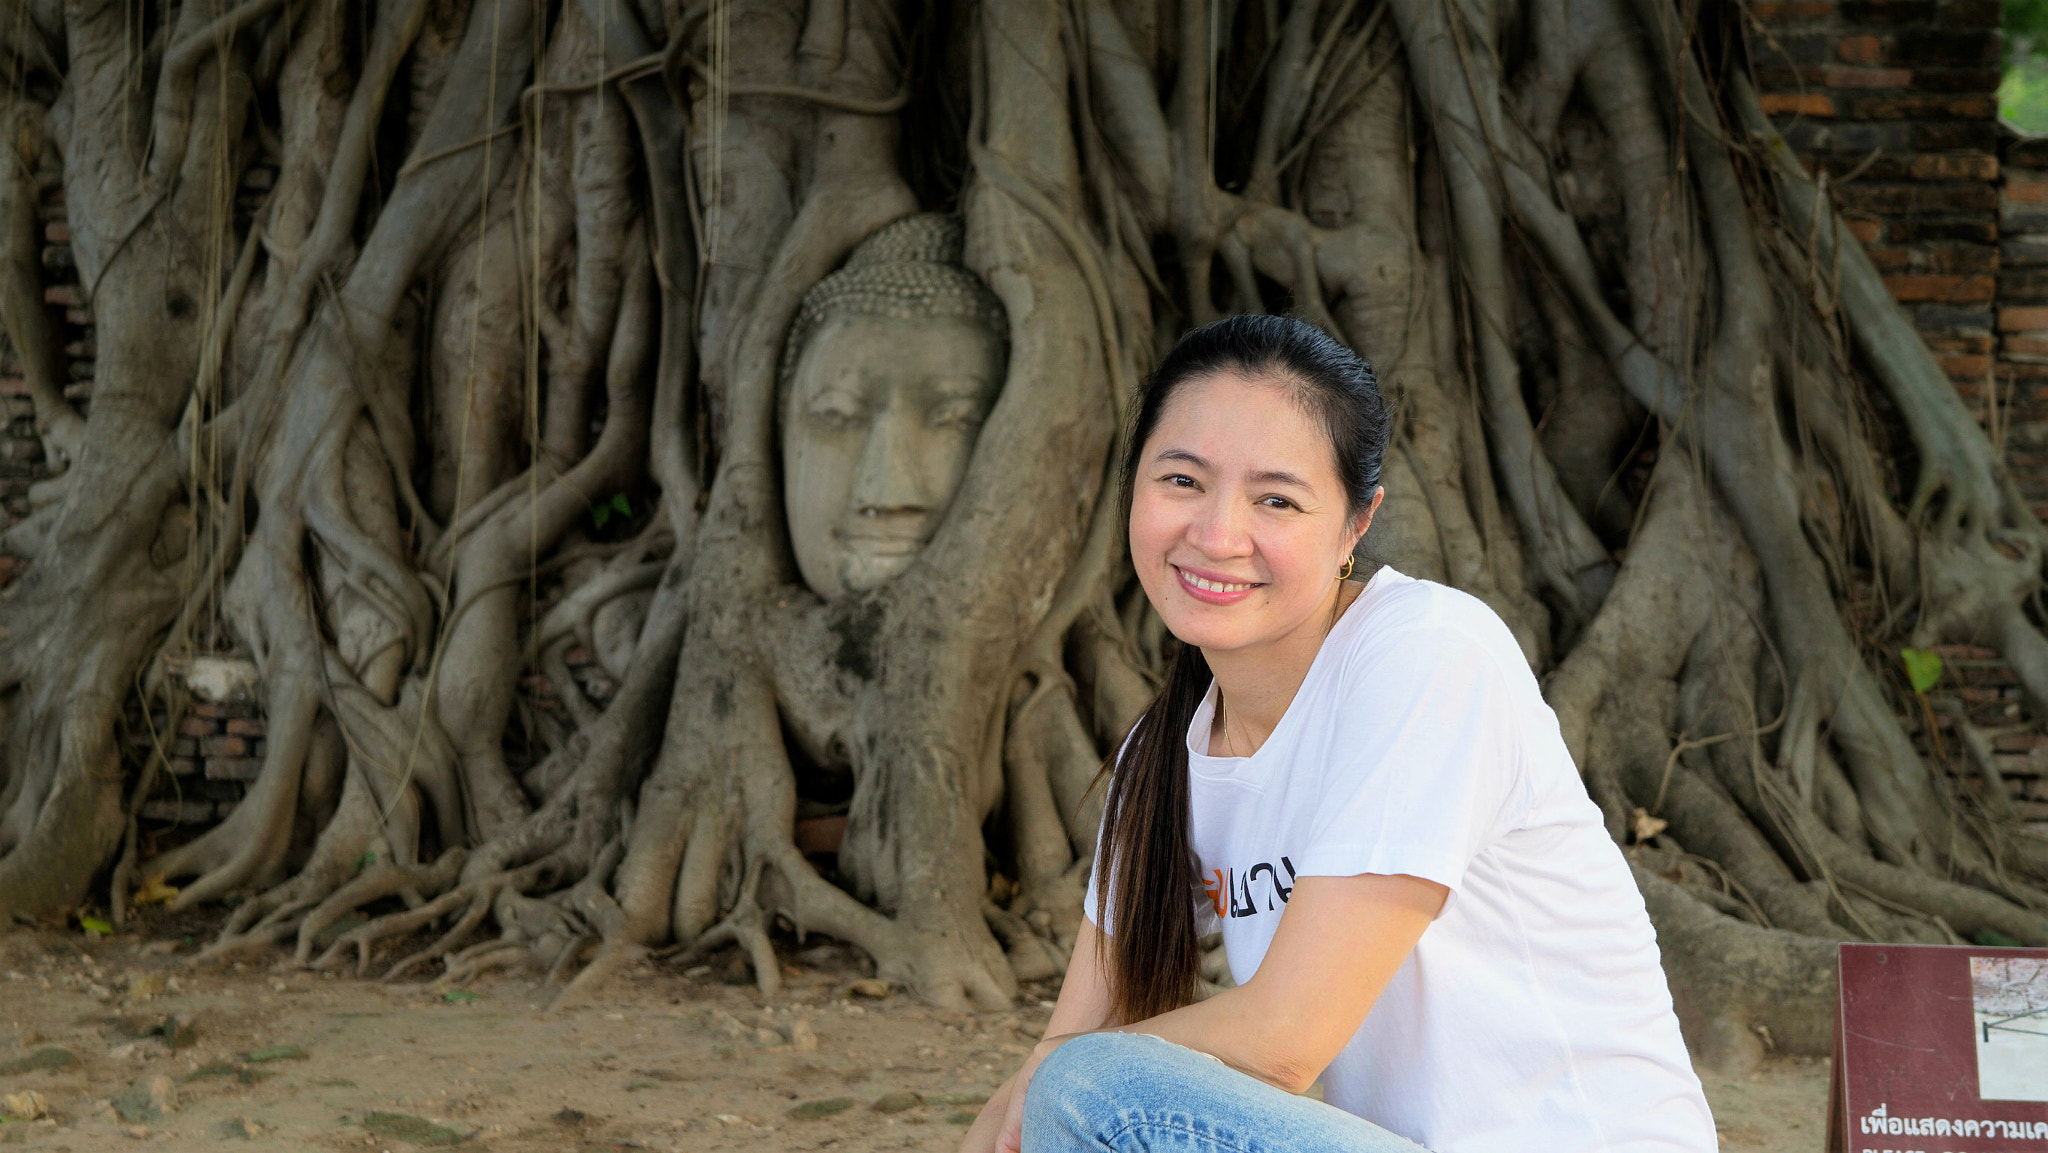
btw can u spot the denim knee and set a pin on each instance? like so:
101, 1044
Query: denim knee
1074, 1090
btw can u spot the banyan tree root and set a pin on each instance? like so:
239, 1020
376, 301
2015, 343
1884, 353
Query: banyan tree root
501, 365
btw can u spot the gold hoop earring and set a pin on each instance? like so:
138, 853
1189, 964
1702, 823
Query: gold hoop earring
1344, 574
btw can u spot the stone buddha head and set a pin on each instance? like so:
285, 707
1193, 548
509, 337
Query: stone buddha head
890, 368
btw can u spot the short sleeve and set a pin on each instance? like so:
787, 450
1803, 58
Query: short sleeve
1088, 907
1426, 766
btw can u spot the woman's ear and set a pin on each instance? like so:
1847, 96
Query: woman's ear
1364, 520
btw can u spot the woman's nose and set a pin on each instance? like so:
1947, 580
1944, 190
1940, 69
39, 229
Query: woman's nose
1220, 528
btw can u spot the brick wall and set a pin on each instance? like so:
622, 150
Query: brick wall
1992, 698
1895, 103
213, 755
21, 450
2022, 371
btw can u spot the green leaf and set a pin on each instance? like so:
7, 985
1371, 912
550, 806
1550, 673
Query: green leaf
1923, 668
460, 997
617, 506
1993, 939
95, 926
368, 858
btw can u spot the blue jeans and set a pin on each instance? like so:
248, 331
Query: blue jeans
1130, 1093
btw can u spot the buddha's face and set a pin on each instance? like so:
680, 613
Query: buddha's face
877, 427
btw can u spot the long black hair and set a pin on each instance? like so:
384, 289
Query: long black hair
1146, 877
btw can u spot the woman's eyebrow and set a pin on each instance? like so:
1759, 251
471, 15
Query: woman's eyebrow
1263, 476
1288, 478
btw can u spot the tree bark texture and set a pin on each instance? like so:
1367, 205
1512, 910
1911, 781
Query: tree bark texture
497, 370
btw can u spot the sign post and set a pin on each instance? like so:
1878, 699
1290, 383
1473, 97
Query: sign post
1940, 1049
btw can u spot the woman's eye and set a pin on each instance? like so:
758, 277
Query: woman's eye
1179, 480
1276, 502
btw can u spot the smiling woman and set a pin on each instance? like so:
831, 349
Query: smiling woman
1363, 791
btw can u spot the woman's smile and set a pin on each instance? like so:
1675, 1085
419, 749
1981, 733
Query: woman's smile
1212, 588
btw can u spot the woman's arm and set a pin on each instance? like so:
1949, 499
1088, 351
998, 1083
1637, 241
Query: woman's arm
1338, 945
1082, 1007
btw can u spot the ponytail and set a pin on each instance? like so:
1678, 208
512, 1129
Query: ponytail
1146, 877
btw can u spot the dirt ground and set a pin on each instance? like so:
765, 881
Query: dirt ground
129, 1046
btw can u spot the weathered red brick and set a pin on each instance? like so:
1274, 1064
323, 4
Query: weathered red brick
1938, 46
210, 709
233, 768
1959, 342
1964, 365
1950, 135
2026, 346
1796, 48
1983, 229
1954, 166
1861, 49
1959, 198
2018, 191
1972, 13
1865, 229
1921, 106
1889, 11
1772, 77
1970, 78
223, 746
13, 386
2023, 285
1792, 9
1834, 77
1962, 258
2030, 319
57, 232
64, 294
1891, 258
1798, 103
246, 726
77, 317
1946, 288
197, 726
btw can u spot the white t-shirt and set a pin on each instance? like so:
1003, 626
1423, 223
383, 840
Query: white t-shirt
1533, 1015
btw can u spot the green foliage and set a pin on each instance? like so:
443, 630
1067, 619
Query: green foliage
1993, 939
2023, 94
2023, 91
1923, 668
95, 926
2025, 23
618, 506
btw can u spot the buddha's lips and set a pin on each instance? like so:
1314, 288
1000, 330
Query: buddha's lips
882, 542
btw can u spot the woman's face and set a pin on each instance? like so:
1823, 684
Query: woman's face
1238, 518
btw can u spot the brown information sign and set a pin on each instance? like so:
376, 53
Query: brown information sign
1941, 1049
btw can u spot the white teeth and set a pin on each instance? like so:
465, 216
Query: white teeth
1213, 586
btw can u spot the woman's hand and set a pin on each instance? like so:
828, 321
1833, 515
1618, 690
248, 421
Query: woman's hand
1012, 1138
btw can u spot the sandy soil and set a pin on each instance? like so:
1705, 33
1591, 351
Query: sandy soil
171, 1057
